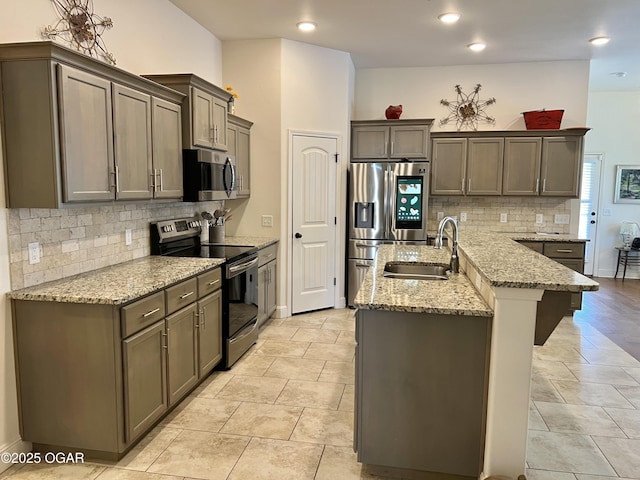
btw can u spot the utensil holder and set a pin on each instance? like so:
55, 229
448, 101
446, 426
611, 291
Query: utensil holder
216, 234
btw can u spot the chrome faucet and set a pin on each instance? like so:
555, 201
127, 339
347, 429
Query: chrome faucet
453, 263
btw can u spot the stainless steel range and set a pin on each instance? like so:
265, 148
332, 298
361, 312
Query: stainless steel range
181, 238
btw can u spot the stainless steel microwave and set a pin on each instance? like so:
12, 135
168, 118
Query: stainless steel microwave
208, 175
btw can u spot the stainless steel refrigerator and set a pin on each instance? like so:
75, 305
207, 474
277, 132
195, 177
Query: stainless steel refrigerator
387, 204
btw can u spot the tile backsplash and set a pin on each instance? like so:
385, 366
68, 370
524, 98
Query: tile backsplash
79, 239
483, 213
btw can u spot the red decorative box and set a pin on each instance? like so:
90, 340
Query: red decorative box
543, 119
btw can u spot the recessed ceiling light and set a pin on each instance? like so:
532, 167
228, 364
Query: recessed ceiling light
306, 26
619, 74
599, 40
449, 17
477, 47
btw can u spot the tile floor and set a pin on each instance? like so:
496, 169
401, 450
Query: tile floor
285, 411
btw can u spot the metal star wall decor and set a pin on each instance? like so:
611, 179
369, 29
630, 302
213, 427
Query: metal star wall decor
80, 28
467, 110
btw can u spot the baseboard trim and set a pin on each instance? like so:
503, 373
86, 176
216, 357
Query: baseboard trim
17, 446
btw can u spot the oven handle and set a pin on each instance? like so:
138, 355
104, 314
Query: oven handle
243, 266
244, 335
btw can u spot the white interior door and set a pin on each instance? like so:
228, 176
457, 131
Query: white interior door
313, 223
589, 197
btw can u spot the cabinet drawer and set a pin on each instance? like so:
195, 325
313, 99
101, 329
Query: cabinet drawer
141, 314
267, 254
181, 295
535, 246
209, 282
564, 249
573, 263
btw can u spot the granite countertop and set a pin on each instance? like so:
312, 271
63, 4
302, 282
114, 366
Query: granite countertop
455, 296
258, 242
118, 283
546, 237
502, 262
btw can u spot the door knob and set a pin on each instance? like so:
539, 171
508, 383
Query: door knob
298, 235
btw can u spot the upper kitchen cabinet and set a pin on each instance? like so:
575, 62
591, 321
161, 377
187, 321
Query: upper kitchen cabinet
390, 139
467, 166
239, 142
522, 163
79, 130
204, 110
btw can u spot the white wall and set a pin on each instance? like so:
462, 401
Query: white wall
149, 36
285, 86
614, 117
517, 88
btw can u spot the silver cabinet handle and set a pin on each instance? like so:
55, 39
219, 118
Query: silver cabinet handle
462, 184
391, 148
161, 181
544, 185
564, 250
188, 294
155, 310
469, 185
213, 282
537, 184
117, 179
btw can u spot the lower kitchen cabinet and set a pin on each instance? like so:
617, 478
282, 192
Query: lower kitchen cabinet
209, 332
267, 263
95, 378
569, 254
182, 353
145, 379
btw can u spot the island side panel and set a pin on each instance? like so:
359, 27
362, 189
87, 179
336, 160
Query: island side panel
421, 390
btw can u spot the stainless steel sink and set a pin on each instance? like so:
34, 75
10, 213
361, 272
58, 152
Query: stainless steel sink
416, 271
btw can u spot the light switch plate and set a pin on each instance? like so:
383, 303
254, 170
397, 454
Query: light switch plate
539, 218
606, 212
561, 219
503, 218
34, 253
127, 236
267, 220
463, 216
440, 215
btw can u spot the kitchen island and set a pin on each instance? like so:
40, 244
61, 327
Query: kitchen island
496, 297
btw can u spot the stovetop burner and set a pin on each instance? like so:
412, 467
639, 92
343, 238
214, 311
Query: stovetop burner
181, 238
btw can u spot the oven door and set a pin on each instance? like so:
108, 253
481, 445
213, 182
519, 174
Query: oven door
242, 298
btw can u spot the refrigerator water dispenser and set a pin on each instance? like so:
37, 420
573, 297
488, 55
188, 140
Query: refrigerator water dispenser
364, 214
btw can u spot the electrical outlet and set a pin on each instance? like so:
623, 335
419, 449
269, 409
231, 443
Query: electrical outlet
267, 220
561, 219
539, 218
440, 215
34, 253
127, 236
463, 216
503, 218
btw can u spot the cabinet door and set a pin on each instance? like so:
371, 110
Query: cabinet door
243, 161
167, 149
369, 142
409, 142
202, 111
86, 136
521, 173
561, 166
182, 364
271, 288
262, 293
219, 115
145, 374
484, 166
209, 332
132, 126
448, 166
